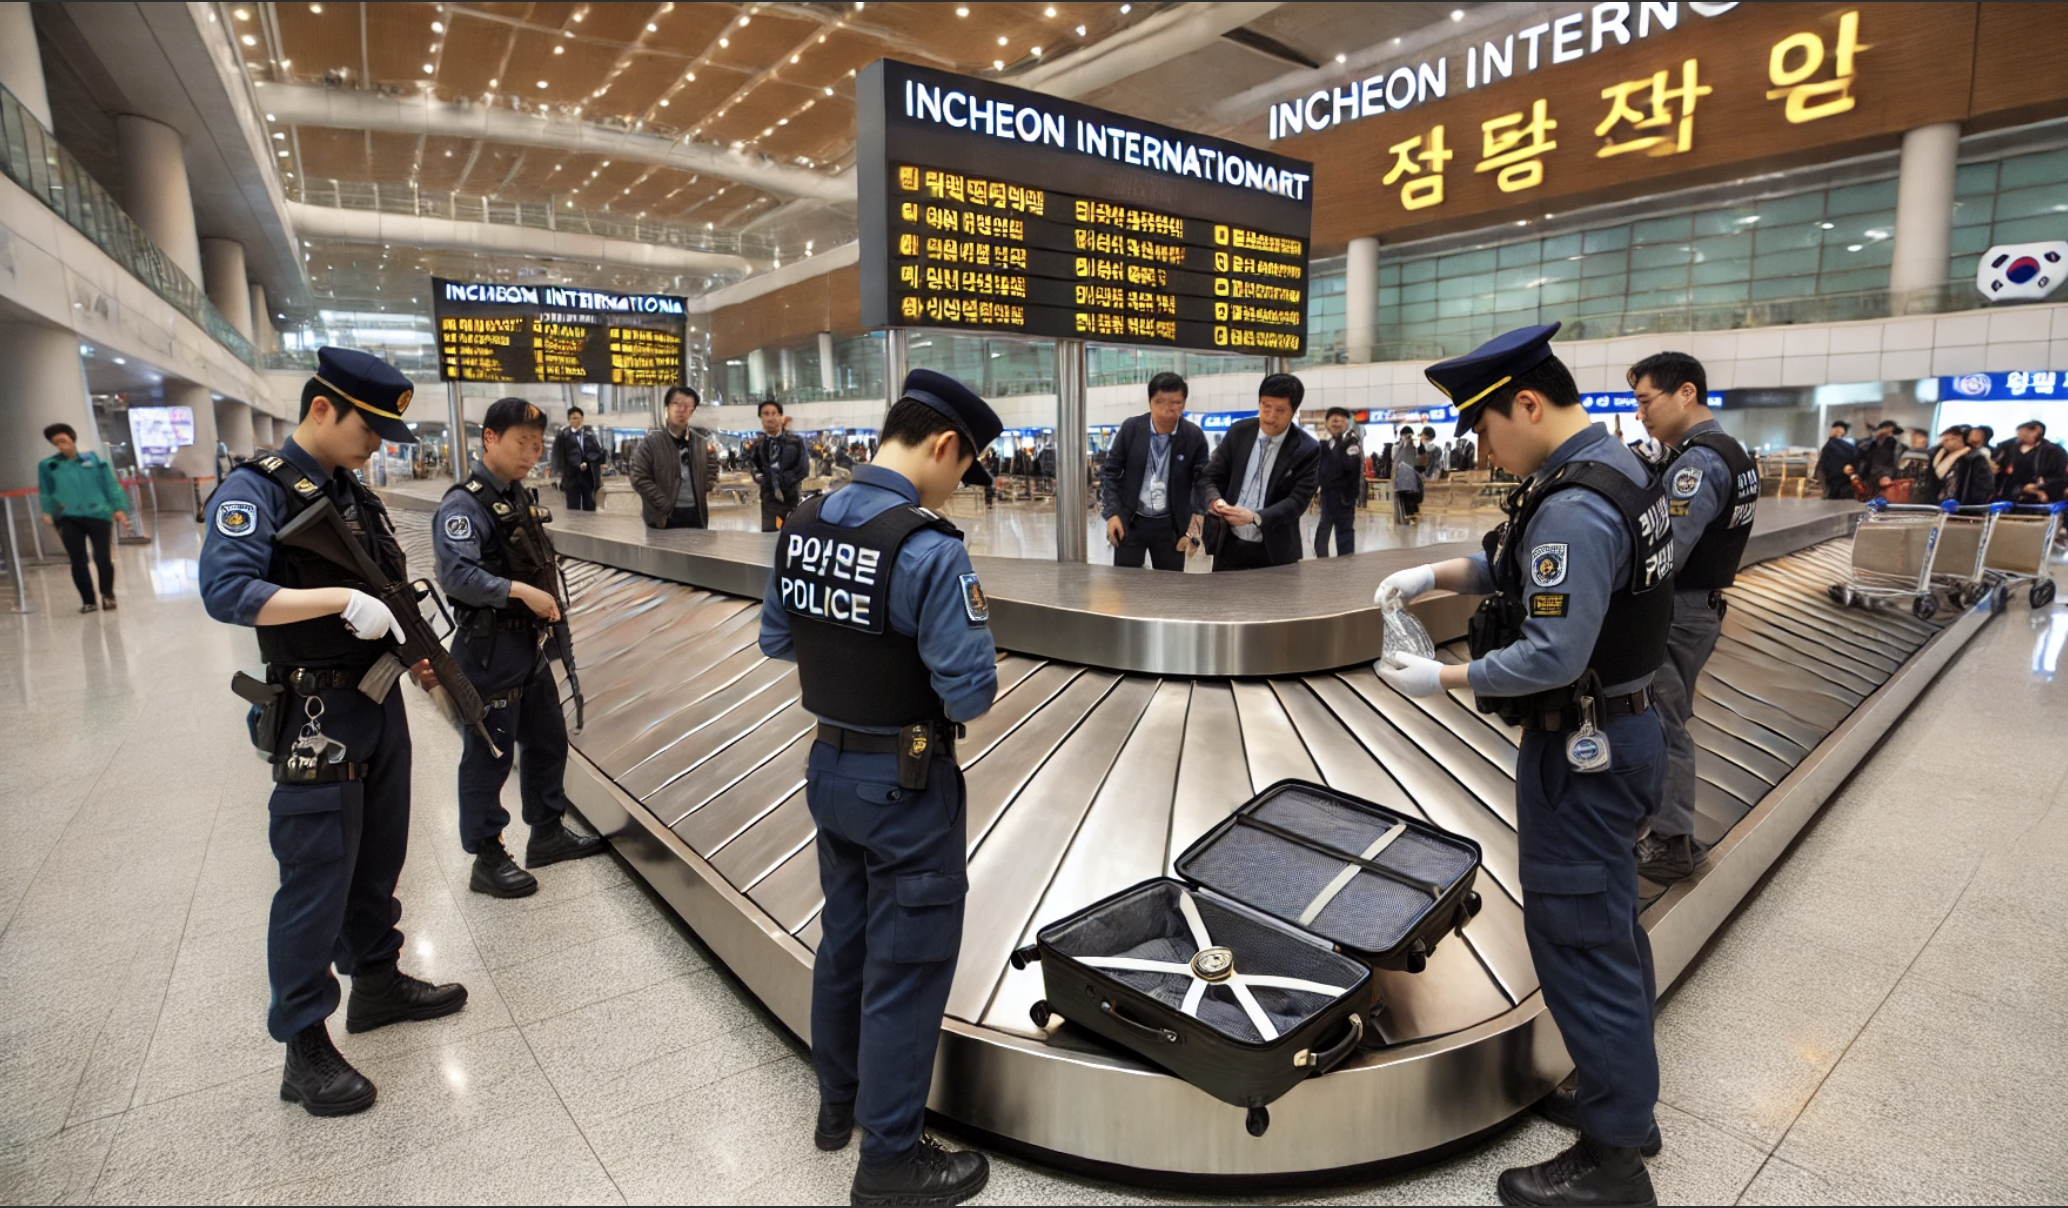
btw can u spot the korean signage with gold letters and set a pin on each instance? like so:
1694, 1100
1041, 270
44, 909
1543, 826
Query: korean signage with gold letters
987, 208
1494, 130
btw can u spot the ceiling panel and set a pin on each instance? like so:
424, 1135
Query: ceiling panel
399, 44
766, 43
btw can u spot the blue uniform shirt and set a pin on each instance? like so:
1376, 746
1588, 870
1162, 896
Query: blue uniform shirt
926, 599
1698, 488
1584, 534
237, 545
462, 527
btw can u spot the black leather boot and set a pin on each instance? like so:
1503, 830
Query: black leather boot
836, 1126
1562, 1107
1664, 859
498, 876
379, 999
1586, 1174
320, 1079
553, 842
927, 1175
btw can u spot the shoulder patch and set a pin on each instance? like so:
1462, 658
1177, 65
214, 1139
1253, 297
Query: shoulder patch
236, 518
1549, 604
1547, 564
474, 485
1686, 481
306, 486
973, 602
459, 527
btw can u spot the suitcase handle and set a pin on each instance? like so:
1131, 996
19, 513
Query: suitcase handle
1112, 1012
1331, 1057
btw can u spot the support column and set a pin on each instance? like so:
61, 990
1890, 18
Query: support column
786, 375
154, 189
456, 433
1360, 299
45, 383
21, 64
234, 424
897, 358
827, 382
222, 276
1072, 457
757, 374
262, 430
1924, 217
198, 459
261, 320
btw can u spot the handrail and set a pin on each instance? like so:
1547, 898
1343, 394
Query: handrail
31, 156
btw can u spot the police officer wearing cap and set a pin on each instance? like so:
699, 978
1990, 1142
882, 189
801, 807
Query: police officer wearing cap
1712, 492
874, 598
1579, 599
329, 714
498, 568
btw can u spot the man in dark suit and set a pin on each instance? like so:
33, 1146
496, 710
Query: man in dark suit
1148, 485
1835, 463
578, 459
1339, 480
1261, 479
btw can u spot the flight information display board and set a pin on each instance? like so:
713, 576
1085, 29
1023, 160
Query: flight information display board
545, 333
989, 208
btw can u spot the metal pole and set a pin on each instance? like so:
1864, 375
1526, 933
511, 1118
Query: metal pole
136, 512
153, 480
36, 536
14, 562
897, 354
1072, 459
456, 442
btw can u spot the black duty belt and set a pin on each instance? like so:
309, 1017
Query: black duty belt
310, 680
861, 741
1559, 721
526, 622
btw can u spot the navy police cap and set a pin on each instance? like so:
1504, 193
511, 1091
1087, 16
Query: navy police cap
1467, 380
961, 404
375, 388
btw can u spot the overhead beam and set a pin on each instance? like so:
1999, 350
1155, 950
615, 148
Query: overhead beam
351, 109
1171, 34
486, 238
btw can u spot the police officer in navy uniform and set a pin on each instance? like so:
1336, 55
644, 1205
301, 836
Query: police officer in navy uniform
1712, 493
335, 726
1579, 599
498, 568
874, 597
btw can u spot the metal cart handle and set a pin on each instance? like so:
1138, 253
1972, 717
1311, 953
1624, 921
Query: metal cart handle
1112, 1012
1984, 509
1332, 1056
1883, 505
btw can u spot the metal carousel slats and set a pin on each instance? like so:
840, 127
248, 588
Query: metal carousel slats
999, 776
778, 772
750, 748
1494, 788
772, 838
646, 758
1213, 775
1269, 741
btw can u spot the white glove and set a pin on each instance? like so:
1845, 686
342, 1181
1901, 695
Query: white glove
1411, 674
368, 618
1406, 584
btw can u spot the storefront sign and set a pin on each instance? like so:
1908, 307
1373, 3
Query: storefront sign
2017, 384
990, 208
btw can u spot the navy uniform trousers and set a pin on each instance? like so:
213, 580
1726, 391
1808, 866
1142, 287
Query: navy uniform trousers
894, 866
529, 729
1338, 516
1579, 911
1689, 644
340, 848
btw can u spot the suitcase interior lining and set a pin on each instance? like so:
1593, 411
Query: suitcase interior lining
1147, 925
1373, 913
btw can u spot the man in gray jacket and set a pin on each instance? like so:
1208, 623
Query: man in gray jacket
673, 468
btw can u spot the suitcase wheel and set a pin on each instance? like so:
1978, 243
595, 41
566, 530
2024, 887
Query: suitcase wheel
2042, 593
1418, 958
1259, 1120
1022, 957
1040, 1014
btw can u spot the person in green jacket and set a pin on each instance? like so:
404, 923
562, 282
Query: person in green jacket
83, 502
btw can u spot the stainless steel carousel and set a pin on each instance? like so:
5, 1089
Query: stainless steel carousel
1134, 711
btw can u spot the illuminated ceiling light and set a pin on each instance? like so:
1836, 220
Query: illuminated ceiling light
427, 69
494, 83
689, 75
724, 42
1342, 58
559, 50
664, 104
283, 155
1080, 31
542, 83
287, 62
1001, 39
1855, 247
783, 121
962, 10
437, 27
316, 8
1125, 9
829, 92
1050, 11
1037, 52
737, 144
1827, 225
278, 135
250, 41
242, 14
794, 58
1457, 14
745, 20
652, 28
822, 39
448, 154
998, 64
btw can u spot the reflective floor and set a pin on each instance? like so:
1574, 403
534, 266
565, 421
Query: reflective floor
1880, 1024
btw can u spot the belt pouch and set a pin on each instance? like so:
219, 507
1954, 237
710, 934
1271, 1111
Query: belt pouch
915, 755
268, 713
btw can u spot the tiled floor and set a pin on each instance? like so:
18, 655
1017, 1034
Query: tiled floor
1882, 1023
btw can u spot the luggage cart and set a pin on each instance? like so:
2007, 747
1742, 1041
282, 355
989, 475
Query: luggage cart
2019, 551
1892, 556
1958, 566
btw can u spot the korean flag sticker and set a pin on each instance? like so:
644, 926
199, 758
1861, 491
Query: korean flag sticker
1547, 565
236, 518
973, 602
459, 527
1686, 481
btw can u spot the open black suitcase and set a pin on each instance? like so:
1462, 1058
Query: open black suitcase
1253, 973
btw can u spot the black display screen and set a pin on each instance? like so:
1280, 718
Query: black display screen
990, 208
539, 333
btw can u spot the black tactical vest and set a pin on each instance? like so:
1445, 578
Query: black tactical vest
1713, 562
324, 641
835, 583
517, 548
1632, 642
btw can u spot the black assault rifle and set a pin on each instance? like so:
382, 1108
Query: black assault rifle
553, 582
321, 531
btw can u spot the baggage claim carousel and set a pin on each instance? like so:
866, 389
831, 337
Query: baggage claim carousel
1134, 711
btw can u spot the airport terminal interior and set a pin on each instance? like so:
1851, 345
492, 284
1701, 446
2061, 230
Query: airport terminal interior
704, 252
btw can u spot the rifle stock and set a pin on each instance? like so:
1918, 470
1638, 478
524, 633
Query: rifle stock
321, 531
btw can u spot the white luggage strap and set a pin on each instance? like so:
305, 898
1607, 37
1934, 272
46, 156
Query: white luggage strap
1329, 891
1238, 983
